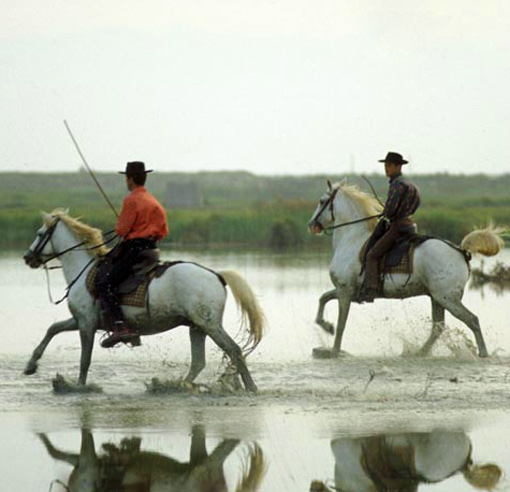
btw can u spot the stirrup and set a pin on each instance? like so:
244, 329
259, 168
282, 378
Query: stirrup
122, 335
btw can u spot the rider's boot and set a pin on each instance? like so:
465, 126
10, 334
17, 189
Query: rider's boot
121, 333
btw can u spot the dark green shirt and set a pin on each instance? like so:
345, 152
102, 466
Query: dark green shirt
403, 198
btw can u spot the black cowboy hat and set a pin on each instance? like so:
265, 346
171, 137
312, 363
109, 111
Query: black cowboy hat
394, 158
135, 167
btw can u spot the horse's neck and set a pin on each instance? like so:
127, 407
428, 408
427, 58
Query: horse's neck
351, 237
74, 261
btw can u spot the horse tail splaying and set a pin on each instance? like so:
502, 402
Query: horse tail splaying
487, 242
254, 469
249, 306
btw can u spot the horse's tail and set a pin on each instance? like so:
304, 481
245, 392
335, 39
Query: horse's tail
250, 308
487, 242
253, 470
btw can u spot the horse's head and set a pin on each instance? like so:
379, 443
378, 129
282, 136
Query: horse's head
347, 202
41, 250
324, 215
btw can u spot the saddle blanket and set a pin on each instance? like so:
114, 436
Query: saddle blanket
135, 298
392, 264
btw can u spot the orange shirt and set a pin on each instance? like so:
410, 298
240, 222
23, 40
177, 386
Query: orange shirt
142, 216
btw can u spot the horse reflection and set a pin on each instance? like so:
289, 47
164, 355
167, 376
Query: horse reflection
401, 462
126, 468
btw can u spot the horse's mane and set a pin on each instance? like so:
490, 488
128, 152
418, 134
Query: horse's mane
92, 236
365, 202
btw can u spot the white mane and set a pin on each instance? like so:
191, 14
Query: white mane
364, 202
92, 236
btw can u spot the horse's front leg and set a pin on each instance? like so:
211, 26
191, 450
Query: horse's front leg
344, 304
324, 299
56, 328
87, 331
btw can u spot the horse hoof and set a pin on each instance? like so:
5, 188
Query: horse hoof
327, 353
62, 386
324, 353
328, 328
30, 369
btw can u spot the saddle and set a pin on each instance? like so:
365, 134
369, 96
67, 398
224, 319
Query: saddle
399, 259
133, 291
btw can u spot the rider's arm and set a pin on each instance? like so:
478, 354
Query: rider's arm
127, 218
393, 201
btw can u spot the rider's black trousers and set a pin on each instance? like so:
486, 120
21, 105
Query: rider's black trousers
117, 267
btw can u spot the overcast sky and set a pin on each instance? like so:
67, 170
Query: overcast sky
272, 87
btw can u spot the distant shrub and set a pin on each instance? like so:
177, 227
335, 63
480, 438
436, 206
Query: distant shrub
285, 234
442, 224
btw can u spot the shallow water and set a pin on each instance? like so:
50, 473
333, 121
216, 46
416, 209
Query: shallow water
303, 405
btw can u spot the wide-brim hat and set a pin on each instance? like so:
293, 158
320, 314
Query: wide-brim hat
135, 167
395, 158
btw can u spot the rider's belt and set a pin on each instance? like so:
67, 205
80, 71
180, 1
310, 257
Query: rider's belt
142, 242
403, 220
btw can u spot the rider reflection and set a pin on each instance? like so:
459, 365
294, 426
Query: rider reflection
127, 468
401, 462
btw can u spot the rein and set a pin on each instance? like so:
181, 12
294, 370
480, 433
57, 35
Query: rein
68, 288
343, 224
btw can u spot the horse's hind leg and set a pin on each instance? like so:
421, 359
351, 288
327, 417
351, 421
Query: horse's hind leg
197, 338
462, 313
56, 328
227, 344
323, 300
437, 328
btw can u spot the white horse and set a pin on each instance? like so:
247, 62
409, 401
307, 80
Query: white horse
440, 271
186, 294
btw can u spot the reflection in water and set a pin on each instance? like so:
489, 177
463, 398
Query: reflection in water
498, 278
401, 462
127, 468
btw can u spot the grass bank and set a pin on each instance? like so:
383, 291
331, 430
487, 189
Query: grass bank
279, 225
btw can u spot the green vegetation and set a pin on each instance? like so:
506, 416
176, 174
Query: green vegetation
241, 208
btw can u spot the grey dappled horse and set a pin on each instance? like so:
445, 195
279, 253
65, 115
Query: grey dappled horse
186, 294
440, 271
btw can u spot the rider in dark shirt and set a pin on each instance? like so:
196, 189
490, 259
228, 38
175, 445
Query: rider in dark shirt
402, 202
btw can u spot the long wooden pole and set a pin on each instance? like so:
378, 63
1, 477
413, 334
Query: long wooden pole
92, 175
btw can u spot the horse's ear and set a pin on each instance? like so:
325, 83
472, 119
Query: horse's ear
343, 182
47, 218
330, 186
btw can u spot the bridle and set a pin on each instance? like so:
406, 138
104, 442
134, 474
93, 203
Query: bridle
45, 238
329, 204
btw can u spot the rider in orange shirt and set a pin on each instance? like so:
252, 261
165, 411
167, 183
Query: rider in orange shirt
142, 222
